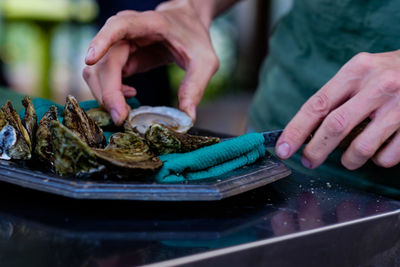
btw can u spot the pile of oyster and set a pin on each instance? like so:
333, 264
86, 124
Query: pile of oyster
77, 145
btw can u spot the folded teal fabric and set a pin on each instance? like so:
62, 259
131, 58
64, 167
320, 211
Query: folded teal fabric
212, 161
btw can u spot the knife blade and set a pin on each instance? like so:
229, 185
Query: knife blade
271, 137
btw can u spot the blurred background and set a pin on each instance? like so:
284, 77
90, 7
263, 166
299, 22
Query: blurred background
43, 44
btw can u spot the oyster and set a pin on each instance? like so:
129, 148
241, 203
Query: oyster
76, 119
100, 116
128, 150
164, 141
72, 156
141, 119
30, 118
15, 142
43, 147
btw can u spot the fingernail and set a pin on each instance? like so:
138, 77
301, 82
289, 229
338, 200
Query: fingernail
90, 54
306, 162
115, 115
283, 150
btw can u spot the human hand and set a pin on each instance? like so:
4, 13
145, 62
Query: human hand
132, 42
368, 86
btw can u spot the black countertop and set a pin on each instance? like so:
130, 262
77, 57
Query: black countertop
295, 221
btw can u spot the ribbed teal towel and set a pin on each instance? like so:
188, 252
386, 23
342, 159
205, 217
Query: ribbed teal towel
212, 161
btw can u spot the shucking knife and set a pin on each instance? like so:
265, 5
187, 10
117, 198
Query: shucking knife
271, 137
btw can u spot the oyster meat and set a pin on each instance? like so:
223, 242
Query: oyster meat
128, 150
100, 116
164, 141
30, 118
15, 143
72, 156
142, 118
43, 147
76, 119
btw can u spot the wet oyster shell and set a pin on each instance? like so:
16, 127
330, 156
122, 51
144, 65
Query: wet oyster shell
100, 116
142, 118
30, 118
72, 156
43, 147
164, 141
128, 150
76, 119
21, 146
3, 119
8, 139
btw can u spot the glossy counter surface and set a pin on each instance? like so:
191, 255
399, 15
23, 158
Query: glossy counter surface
297, 220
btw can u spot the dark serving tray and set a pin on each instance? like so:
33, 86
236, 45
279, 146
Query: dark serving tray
264, 171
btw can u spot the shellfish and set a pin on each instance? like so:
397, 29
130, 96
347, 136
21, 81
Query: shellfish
76, 119
142, 118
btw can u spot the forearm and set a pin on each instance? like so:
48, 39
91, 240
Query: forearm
207, 10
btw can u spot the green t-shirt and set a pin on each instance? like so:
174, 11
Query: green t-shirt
307, 48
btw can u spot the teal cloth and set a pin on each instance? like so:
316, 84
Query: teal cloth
212, 161
308, 47
203, 163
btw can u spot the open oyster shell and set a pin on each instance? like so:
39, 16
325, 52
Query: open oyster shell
43, 147
128, 150
164, 141
30, 118
76, 119
100, 116
142, 118
14, 142
72, 156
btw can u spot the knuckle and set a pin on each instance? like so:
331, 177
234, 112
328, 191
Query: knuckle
363, 60
214, 63
389, 82
318, 105
158, 19
336, 124
87, 73
364, 148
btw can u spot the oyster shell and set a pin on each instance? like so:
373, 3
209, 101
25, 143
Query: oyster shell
100, 116
43, 147
128, 150
72, 156
30, 118
141, 119
19, 146
164, 141
76, 119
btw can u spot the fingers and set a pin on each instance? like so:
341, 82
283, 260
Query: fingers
195, 81
313, 112
336, 126
104, 79
365, 145
126, 25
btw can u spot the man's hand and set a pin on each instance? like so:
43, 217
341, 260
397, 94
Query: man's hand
132, 42
368, 86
